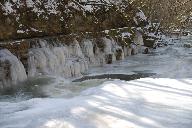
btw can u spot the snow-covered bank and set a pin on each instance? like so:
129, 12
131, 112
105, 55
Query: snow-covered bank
144, 103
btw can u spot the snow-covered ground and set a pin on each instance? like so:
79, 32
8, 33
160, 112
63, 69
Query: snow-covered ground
162, 101
144, 103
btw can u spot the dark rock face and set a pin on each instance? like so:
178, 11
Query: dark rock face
39, 18
109, 58
146, 51
149, 42
187, 45
119, 53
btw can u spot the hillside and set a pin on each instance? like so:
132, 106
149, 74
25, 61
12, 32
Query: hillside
32, 18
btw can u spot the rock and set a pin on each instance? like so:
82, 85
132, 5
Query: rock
149, 42
134, 49
88, 51
187, 45
119, 54
146, 51
138, 39
109, 58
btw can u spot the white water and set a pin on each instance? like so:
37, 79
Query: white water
161, 102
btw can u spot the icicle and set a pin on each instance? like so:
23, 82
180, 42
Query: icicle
12, 70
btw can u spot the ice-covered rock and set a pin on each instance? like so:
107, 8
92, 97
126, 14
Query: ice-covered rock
138, 39
43, 61
67, 61
83, 66
75, 49
187, 45
113, 50
12, 70
46, 57
108, 45
127, 51
87, 49
108, 51
134, 48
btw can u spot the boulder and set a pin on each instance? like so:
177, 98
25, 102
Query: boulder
187, 45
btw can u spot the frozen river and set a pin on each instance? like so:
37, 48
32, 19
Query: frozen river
162, 100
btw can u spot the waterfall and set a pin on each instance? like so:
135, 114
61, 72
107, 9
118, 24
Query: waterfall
12, 70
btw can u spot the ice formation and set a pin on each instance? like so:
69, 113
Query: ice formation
46, 57
66, 61
69, 61
12, 70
